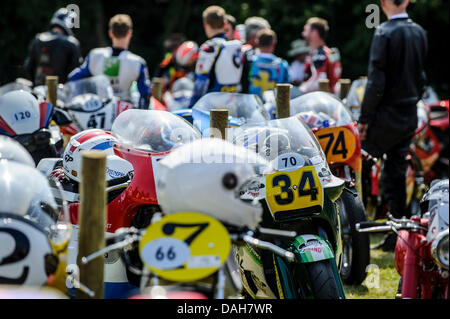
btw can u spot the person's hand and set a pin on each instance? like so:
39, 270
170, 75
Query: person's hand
362, 128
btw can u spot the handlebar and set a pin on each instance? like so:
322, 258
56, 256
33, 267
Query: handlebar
275, 234
391, 225
127, 236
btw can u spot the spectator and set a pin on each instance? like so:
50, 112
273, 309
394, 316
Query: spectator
219, 65
267, 69
119, 64
299, 51
396, 82
252, 26
55, 52
323, 63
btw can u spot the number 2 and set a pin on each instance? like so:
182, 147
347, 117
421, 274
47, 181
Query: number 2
21, 250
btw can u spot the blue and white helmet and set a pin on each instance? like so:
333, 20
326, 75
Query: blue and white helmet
94, 139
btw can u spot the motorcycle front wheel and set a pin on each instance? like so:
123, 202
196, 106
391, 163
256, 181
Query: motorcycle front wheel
356, 246
322, 279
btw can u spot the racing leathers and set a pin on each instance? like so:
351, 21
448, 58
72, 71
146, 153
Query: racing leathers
122, 67
219, 67
170, 71
323, 63
52, 53
266, 71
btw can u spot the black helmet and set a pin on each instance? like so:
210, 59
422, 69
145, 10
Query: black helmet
64, 19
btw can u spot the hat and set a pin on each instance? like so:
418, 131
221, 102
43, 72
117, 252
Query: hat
298, 47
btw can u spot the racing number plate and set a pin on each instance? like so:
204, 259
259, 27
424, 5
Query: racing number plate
185, 247
338, 143
292, 192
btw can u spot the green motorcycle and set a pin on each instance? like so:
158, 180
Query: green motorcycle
300, 196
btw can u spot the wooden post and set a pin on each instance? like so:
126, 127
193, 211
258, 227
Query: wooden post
345, 88
92, 220
157, 88
324, 85
218, 121
52, 89
283, 101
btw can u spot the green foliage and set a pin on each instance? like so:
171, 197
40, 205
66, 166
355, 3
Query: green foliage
155, 19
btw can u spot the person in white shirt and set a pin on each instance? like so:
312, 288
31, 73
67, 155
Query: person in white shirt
299, 51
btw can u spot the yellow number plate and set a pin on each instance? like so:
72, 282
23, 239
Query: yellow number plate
185, 247
293, 191
338, 143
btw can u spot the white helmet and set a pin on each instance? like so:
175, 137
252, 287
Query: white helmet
209, 176
20, 114
94, 139
12, 150
32, 226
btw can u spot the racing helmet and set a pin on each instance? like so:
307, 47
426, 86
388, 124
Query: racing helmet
10, 150
218, 173
34, 228
63, 18
187, 54
94, 139
20, 114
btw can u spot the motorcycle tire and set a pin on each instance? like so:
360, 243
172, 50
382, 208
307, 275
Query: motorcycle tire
322, 279
356, 245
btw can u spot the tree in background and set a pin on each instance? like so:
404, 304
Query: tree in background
155, 19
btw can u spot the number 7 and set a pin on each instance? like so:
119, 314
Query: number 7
330, 138
169, 229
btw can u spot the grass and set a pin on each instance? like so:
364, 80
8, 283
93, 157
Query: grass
382, 278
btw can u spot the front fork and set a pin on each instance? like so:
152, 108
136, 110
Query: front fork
295, 283
411, 266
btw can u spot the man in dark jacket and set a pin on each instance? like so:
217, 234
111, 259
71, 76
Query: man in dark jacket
55, 52
396, 81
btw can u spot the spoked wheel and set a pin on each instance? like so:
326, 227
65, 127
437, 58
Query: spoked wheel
356, 246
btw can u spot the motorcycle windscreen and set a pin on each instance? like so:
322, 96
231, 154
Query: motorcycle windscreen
153, 131
242, 109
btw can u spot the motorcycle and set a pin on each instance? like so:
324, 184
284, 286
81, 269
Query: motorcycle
300, 196
338, 136
188, 253
34, 226
18, 84
27, 121
270, 100
242, 109
144, 137
431, 139
91, 104
421, 252
179, 98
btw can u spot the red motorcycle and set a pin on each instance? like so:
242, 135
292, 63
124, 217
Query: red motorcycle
421, 252
432, 138
144, 138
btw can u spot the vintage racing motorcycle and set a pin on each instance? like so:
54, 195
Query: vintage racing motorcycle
29, 123
421, 252
339, 138
187, 253
300, 196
